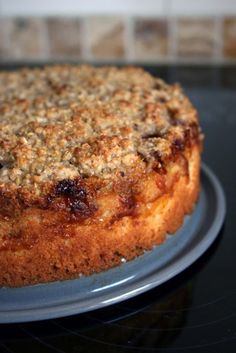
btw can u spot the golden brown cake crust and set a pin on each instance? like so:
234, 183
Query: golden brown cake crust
97, 165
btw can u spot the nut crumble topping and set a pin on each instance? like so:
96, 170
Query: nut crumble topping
64, 122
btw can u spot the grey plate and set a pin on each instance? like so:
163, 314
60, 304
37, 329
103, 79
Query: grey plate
130, 279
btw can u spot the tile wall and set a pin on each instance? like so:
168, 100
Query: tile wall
139, 36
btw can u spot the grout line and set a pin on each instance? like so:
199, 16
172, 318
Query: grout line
6, 41
219, 38
129, 38
169, 38
159, 61
173, 33
84, 38
45, 39
86, 45
172, 30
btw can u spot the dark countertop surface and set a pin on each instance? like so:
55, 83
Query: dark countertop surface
195, 311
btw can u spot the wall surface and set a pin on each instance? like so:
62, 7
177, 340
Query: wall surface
146, 31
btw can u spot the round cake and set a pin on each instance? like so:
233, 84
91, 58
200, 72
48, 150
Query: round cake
97, 165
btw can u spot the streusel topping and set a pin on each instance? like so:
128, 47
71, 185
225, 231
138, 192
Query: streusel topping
64, 122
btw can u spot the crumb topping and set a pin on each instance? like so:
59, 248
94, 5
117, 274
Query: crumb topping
65, 122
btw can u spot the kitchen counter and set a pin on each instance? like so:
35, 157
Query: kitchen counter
195, 311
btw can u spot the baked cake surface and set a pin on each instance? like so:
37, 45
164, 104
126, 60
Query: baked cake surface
97, 165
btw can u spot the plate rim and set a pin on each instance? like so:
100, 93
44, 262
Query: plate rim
148, 282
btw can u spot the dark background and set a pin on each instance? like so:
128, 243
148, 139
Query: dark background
195, 311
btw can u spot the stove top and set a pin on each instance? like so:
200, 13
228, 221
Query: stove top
193, 312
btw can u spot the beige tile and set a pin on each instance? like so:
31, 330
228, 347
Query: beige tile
195, 37
64, 37
229, 37
150, 38
24, 38
106, 37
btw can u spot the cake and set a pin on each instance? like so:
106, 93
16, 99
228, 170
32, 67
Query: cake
97, 165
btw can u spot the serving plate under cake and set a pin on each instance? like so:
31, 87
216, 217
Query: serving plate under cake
58, 299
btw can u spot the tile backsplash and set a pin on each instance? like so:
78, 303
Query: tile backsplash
119, 38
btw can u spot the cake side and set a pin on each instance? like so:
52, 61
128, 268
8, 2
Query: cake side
97, 165
50, 250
